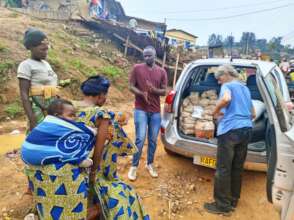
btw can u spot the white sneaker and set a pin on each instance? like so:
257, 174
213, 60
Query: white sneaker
132, 175
152, 171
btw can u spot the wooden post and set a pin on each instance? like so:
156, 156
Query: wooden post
164, 54
127, 44
164, 59
140, 50
176, 70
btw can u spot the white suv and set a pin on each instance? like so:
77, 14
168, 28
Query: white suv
272, 145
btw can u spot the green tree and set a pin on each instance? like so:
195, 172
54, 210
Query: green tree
215, 40
262, 45
229, 41
247, 42
13, 3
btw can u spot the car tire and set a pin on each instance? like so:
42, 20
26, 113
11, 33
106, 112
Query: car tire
169, 152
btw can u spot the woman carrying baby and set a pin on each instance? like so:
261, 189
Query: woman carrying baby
55, 153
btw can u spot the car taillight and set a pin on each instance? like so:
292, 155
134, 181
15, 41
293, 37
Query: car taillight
169, 100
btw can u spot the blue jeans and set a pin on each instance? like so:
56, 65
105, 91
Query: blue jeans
143, 121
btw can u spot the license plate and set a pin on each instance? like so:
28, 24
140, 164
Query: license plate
204, 161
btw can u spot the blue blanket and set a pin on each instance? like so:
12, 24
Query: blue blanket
57, 140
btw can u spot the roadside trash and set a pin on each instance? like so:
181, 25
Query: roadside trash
14, 132
30, 216
65, 82
12, 154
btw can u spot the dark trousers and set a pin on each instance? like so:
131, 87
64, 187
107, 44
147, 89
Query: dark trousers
231, 155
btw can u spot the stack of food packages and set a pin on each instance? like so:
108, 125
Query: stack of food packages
196, 114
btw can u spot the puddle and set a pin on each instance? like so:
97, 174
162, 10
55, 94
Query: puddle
10, 142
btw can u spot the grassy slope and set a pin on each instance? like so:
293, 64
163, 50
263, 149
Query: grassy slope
72, 57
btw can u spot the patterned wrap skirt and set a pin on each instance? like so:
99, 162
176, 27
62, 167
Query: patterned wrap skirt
60, 191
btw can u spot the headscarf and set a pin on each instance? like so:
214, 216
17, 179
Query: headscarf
33, 37
95, 85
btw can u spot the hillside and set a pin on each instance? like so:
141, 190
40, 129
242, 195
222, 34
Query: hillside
75, 54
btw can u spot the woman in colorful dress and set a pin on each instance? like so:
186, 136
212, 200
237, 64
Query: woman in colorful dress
117, 199
53, 153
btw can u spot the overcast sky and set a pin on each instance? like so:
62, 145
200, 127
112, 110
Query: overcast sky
266, 18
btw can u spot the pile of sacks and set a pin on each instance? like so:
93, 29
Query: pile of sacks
196, 114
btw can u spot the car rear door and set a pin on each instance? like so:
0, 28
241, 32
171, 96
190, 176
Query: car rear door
280, 179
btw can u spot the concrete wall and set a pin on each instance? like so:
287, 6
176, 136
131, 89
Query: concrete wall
180, 36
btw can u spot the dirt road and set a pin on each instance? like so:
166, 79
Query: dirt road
178, 193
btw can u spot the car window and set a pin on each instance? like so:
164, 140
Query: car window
282, 84
278, 102
245, 72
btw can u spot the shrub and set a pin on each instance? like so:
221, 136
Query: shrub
111, 71
6, 65
83, 68
3, 48
54, 60
6, 68
13, 110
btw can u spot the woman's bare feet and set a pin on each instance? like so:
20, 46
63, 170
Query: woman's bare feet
93, 212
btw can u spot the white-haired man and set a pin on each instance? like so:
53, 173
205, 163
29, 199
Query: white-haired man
234, 112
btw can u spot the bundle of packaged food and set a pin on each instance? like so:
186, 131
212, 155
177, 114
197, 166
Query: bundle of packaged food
187, 122
204, 129
196, 114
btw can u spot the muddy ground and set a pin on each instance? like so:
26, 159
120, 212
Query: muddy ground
178, 193
180, 190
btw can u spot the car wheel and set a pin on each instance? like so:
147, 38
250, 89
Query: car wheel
169, 152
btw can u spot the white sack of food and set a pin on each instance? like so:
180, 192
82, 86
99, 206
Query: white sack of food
197, 111
188, 108
209, 94
194, 98
204, 102
208, 111
188, 126
259, 108
200, 125
186, 102
188, 131
188, 120
209, 126
207, 117
212, 107
186, 114
212, 102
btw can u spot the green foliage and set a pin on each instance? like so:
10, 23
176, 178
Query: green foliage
13, 3
84, 44
66, 50
3, 48
13, 110
55, 61
83, 68
62, 35
111, 71
6, 67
